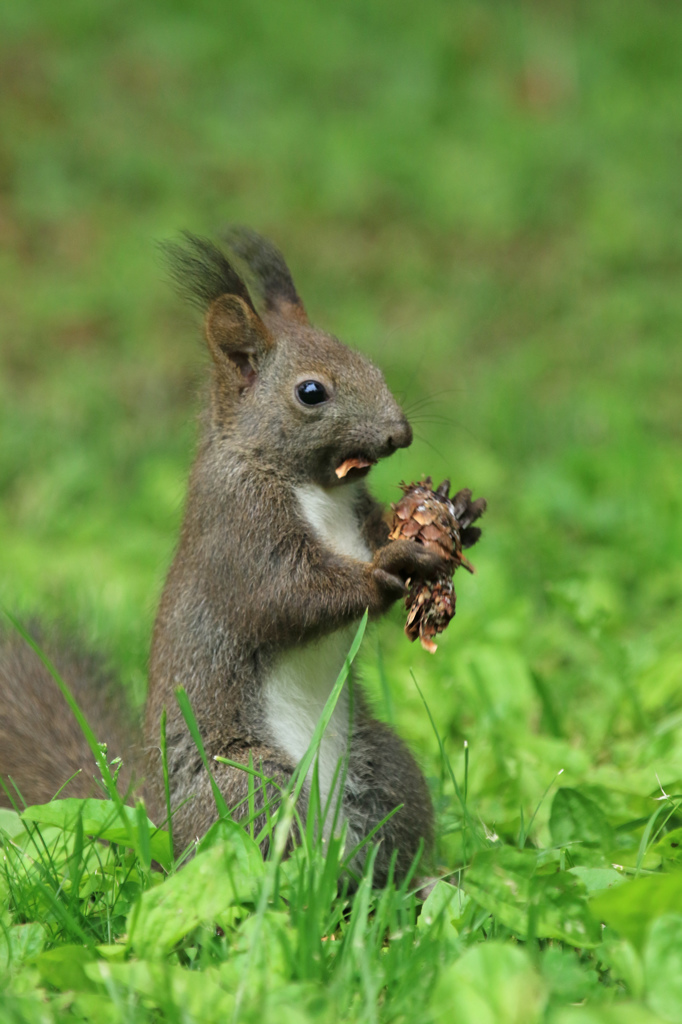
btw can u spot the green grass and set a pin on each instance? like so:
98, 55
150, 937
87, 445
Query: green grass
485, 198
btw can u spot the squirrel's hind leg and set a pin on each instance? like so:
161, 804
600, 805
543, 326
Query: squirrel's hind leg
384, 776
252, 791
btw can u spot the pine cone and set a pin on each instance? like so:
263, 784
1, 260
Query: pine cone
444, 525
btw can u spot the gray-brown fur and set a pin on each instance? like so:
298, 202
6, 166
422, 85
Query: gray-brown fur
266, 267
252, 579
41, 745
201, 272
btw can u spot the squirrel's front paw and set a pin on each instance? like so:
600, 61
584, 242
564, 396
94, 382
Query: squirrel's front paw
407, 559
400, 560
389, 588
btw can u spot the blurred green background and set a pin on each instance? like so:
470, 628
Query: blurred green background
485, 197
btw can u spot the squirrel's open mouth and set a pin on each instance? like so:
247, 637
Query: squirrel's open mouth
354, 467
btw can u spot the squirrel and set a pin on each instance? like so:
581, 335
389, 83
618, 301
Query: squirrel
278, 559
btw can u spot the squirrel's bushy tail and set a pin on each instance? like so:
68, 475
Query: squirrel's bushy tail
41, 744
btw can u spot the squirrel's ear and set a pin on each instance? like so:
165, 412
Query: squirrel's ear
237, 337
268, 272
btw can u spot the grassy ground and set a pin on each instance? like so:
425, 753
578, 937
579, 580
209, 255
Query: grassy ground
486, 200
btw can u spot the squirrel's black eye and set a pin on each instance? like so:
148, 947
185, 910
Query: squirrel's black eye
311, 392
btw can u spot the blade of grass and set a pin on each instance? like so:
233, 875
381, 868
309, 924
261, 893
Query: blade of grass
166, 785
445, 760
301, 773
191, 722
286, 813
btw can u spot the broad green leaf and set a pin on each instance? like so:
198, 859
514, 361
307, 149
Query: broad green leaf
97, 882
207, 886
208, 996
96, 1006
20, 942
560, 911
506, 882
575, 818
499, 879
663, 966
631, 908
245, 849
441, 907
623, 961
619, 1013
101, 819
64, 968
669, 848
27, 1008
598, 879
112, 952
10, 823
567, 978
493, 983
198, 995
275, 940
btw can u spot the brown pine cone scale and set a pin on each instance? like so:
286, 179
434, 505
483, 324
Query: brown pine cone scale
443, 525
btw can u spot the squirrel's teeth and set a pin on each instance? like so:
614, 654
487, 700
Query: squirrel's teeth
348, 464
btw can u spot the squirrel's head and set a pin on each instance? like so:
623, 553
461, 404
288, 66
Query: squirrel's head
285, 394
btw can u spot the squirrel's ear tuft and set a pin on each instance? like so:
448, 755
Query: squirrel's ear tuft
237, 337
267, 271
201, 272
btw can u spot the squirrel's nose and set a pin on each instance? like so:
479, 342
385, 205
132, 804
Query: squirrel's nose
400, 435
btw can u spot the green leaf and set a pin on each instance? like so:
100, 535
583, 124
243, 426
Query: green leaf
189, 995
623, 961
631, 908
493, 983
506, 882
575, 818
114, 951
598, 879
568, 979
441, 907
663, 966
10, 823
669, 848
20, 942
561, 911
102, 819
95, 1006
64, 968
245, 849
273, 938
28, 1008
499, 879
207, 886
620, 1013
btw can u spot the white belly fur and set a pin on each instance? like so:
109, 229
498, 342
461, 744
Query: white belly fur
299, 683
331, 514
